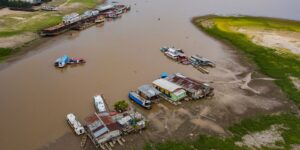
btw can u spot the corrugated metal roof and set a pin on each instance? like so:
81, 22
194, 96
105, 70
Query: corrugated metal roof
100, 131
148, 90
189, 84
166, 85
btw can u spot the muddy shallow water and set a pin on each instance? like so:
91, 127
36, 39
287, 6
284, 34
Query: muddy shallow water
121, 55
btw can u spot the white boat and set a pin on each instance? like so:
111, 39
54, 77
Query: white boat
100, 19
78, 128
99, 104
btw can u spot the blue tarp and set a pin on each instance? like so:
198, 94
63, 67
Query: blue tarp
64, 59
164, 75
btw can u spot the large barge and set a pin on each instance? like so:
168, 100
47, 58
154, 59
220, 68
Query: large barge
88, 18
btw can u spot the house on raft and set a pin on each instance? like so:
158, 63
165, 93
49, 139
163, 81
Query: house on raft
148, 92
101, 128
169, 90
195, 89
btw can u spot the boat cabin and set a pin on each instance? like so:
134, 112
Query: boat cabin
172, 91
148, 92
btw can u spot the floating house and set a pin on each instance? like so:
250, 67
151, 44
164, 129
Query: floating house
101, 129
102, 8
148, 92
144, 95
170, 90
194, 88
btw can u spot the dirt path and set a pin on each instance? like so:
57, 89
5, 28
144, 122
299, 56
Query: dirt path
6, 11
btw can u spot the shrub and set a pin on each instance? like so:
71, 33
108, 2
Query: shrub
121, 106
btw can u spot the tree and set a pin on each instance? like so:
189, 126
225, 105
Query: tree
121, 106
15, 3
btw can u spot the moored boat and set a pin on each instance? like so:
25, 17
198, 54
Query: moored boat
176, 54
76, 61
139, 100
145, 95
100, 104
75, 124
197, 60
62, 61
100, 19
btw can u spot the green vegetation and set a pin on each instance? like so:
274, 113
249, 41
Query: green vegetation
121, 106
17, 4
88, 3
5, 52
278, 66
275, 65
14, 24
205, 142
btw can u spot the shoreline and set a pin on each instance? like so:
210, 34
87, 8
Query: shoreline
22, 47
243, 128
213, 31
23, 51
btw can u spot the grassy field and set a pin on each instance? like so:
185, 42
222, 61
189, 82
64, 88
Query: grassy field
205, 142
278, 66
14, 24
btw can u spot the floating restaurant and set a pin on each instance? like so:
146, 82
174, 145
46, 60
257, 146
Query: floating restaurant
171, 91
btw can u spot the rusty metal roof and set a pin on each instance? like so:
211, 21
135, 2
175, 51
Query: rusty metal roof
187, 83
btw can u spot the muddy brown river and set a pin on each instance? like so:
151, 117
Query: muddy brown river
121, 55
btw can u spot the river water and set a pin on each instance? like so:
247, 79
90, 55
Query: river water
121, 55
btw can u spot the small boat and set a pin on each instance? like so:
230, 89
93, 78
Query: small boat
197, 60
113, 16
122, 8
100, 104
78, 128
171, 49
110, 14
171, 55
62, 61
176, 54
76, 61
183, 60
100, 19
49, 8
139, 100
119, 11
